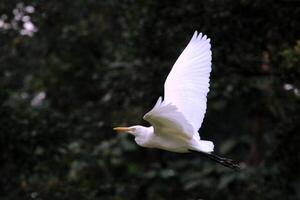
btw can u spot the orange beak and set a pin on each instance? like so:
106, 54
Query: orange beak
122, 129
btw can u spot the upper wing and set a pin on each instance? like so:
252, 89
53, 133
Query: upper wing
167, 120
187, 84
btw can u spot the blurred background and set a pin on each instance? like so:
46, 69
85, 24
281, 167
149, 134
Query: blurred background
72, 70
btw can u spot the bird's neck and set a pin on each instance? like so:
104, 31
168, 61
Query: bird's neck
142, 137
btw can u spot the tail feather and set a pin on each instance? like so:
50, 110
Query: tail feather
221, 160
206, 146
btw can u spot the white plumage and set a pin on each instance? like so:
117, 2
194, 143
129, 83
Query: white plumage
187, 84
176, 119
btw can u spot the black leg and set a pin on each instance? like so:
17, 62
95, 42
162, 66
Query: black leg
223, 161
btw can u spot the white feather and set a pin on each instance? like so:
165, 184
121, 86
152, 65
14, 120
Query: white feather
167, 121
176, 120
187, 84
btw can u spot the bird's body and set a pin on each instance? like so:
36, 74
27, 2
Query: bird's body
176, 119
150, 139
171, 131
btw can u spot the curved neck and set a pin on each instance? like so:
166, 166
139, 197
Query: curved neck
143, 135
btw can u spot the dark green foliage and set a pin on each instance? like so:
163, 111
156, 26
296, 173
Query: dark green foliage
92, 65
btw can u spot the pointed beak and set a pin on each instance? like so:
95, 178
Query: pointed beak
122, 129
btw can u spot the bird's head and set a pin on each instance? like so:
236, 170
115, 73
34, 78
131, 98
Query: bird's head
133, 130
140, 133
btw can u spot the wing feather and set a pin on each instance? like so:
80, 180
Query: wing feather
187, 84
168, 121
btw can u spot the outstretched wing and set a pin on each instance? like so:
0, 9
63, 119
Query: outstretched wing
168, 121
187, 84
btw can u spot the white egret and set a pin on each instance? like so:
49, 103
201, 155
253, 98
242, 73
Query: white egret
176, 119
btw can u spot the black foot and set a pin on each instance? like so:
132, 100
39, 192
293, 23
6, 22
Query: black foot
223, 161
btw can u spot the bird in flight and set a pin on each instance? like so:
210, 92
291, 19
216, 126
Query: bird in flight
177, 118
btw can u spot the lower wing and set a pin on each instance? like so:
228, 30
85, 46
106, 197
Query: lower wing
168, 121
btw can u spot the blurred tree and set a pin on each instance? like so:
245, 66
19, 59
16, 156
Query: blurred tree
71, 71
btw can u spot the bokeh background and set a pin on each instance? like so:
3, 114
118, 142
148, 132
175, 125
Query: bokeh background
72, 70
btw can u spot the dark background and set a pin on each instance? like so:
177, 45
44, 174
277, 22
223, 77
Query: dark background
72, 70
